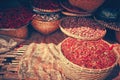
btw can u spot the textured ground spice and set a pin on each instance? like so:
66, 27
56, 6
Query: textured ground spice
89, 54
46, 4
15, 17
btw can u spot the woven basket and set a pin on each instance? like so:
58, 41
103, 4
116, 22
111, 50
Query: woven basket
111, 25
75, 72
78, 36
45, 27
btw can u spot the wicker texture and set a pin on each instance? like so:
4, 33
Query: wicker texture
68, 33
112, 25
75, 72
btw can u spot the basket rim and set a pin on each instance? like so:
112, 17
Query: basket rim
71, 8
107, 25
76, 36
75, 14
89, 70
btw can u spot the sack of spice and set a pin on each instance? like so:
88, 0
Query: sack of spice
14, 20
93, 60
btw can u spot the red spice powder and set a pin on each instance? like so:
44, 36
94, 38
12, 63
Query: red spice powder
46, 4
15, 17
89, 54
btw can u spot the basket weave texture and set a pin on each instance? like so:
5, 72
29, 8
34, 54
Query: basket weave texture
75, 34
110, 25
75, 72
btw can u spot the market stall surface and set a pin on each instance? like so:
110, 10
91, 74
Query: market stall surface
9, 61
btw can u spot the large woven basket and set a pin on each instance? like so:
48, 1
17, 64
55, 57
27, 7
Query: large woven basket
75, 72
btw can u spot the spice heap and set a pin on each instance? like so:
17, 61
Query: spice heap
15, 17
46, 4
89, 54
84, 28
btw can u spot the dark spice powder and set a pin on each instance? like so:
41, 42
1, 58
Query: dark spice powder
15, 17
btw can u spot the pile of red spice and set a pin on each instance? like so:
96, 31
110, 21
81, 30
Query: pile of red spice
46, 4
15, 17
89, 54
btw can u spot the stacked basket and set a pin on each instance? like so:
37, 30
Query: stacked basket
82, 50
110, 18
47, 15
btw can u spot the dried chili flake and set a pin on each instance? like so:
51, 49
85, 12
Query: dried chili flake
90, 54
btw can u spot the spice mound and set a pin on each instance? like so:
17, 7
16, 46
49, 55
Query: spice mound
84, 28
52, 5
15, 17
89, 54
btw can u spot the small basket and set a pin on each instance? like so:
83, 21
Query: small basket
45, 27
75, 72
74, 34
